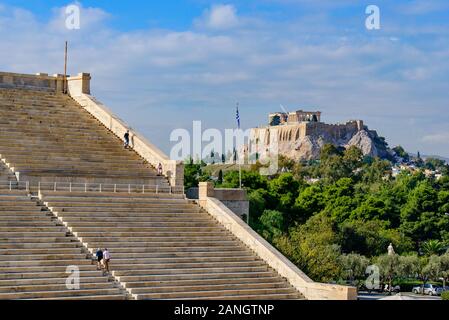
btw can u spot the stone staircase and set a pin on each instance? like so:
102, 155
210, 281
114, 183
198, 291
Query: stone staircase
35, 250
7, 179
164, 247
48, 137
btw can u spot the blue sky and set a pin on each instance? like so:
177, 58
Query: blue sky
162, 64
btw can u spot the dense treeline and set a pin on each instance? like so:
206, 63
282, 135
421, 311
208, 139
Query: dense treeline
342, 212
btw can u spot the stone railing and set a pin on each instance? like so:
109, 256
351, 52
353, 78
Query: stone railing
298, 279
40, 81
79, 90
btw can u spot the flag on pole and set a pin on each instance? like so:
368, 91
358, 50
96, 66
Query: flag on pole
238, 116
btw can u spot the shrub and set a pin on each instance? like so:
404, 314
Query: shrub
445, 295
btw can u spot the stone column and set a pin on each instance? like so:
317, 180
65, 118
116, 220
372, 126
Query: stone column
206, 189
59, 79
79, 84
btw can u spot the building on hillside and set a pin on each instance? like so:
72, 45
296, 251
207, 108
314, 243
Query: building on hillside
300, 135
280, 118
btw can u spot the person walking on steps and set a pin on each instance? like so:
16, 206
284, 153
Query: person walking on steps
126, 139
99, 256
159, 169
106, 259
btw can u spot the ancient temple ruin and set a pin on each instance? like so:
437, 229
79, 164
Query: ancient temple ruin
301, 134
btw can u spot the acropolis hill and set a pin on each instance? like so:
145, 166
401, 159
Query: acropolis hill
302, 134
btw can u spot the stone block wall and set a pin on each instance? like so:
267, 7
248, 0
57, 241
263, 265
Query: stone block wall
40, 81
234, 199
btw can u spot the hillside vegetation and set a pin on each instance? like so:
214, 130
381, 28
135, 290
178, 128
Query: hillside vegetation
336, 216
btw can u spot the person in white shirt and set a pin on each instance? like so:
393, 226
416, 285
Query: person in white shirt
106, 259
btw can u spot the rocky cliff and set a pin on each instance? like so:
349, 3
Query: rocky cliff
305, 140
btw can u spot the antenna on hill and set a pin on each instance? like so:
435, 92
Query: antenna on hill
65, 69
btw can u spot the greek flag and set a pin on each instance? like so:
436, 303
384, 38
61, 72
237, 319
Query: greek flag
238, 116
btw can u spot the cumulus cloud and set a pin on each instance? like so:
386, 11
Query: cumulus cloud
437, 138
223, 16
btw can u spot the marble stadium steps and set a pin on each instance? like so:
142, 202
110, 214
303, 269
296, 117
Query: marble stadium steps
164, 247
7, 178
5, 174
35, 250
65, 140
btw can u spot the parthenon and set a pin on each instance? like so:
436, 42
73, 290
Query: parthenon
279, 118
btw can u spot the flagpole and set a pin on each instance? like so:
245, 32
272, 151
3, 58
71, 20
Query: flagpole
238, 157
240, 163
65, 84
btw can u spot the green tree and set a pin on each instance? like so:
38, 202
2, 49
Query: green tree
419, 266
419, 161
353, 266
353, 158
443, 201
220, 177
285, 162
432, 247
333, 168
389, 267
419, 217
285, 190
400, 152
373, 208
328, 151
271, 224
251, 180
309, 202
191, 175
371, 238
339, 199
444, 268
438, 267
312, 247
376, 171
434, 164
409, 266
257, 205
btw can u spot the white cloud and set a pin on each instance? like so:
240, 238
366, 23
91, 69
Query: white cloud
437, 138
223, 16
